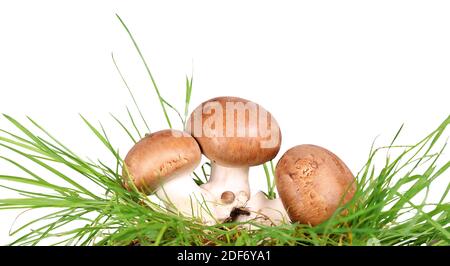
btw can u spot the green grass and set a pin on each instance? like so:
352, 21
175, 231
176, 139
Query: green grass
89, 206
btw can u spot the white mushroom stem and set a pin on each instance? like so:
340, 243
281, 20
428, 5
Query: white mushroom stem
183, 195
225, 180
265, 211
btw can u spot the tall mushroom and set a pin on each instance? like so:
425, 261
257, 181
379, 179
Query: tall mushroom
313, 182
234, 134
161, 163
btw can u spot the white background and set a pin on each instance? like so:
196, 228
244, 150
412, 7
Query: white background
333, 73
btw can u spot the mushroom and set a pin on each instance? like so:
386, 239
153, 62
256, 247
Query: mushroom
261, 210
161, 163
234, 134
312, 183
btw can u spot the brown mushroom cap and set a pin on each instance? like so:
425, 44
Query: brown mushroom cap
311, 182
235, 150
160, 157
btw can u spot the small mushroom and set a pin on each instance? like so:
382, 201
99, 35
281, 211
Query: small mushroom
261, 210
312, 183
161, 163
234, 134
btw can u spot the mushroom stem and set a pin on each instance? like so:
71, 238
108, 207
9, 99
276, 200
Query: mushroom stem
183, 195
224, 181
265, 211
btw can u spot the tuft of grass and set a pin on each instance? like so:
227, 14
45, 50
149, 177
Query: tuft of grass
116, 216
89, 206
